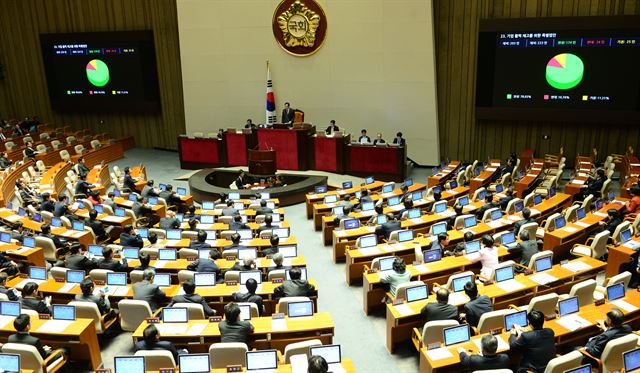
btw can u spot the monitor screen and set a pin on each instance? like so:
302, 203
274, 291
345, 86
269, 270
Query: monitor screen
463, 201
432, 255
482, 195
347, 185
416, 196
615, 291
453, 185
369, 180
207, 219
395, 200
504, 274
208, 205
496, 215
519, 206
194, 363
439, 228
599, 204
368, 206
338, 211
408, 182
321, 189
543, 264
128, 364
515, 318
182, 191
552, 192
632, 360
386, 263
175, 314
625, 235
265, 195
388, 188
133, 197
5, 237
10, 363
64, 312
249, 252
211, 235
472, 246
537, 199
119, 212
459, 283
238, 205
204, 278
174, 234
245, 312
75, 276
203, 253
246, 234
143, 232
456, 334
380, 219
29, 242
404, 236
300, 309
245, 275
499, 188
281, 232
560, 222
581, 213
568, 306
162, 279
130, 252
413, 213
582, 369
331, 198
416, 293
470, 222
117, 278
21, 211
37, 218
351, 223
167, 254
508, 238
38, 273
303, 274
78, 226
263, 359
330, 353
288, 251
368, 241
9, 308
153, 201
234, 196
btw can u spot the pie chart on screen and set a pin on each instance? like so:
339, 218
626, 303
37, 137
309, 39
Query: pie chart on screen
98, 73
564, 71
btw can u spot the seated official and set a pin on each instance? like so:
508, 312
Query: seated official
109, 201
364, 197
263, 209
47, 204
612, 327
294, 287
17, 231
10, 267
407, 205
207, 265
487, 359
404, 189
82, 187
488, 256
317, 364
62, 209
149, 191
148, 291
346, 213
200, 242
526, 219
250, 296
141, 208
107, 262
379, 140
230, 210
191, 214
527, 247
128, 181
144, 259
451, 221
249, 124
611, 222
593, 186
29, 151
278, 259
237, 223
346, 202
101, 300
169, 196
5, 162
536, 346
504, 201
379, 210
30, 302
633, 205
22, 324
274, 240
235, 242
12, 294
240, 181
246, 264
94, 198
333, 127
440, 309
488, 204
96, 225
151, 341
152, 237
398, 276
77, 259
268, 224
476, 306
385, 229
170, 221
193, 225
364, 139
130, 238
441, 242
399, 140
190, 296
232, 329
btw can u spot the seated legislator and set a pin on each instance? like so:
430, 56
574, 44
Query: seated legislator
488, 204
364, 139
153, 241
487, 359
29, 151
526, 219
451, 221
191, 214
207, 265
399, 140
537, 346
278, 259
171, 197
232, 329
612, 327
83, 187
10, 267
149, 191
151, 341
200, 242
5, 162
148, 291
476, 306
107, 262
527, 247
294, 287
346, 213
170, 221
398, 276
504, 201
30, 302
250, 296
364, 197
141, 208
109, 200
48, 203
10, 293
611, 222
333, 127
17, 231
593, 186
193, 225
22, 324
274, 240
441, 309
391, 225
263, 209
249, 124
130, 238
633, 205
190, 296
379, 140
268, 224
248, 264
77, 259
144, 259
488, 256
96, 225
128, 181
379, 210
441, 242
237, 223
317, 364
230, 210
235, 242
101, 300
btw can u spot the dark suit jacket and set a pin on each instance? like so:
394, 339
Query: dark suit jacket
528, 248
249, 298
388, 227
100, 302
35, 304
504, 201
48, 206
288, 115
60, 209
148, 191
204, 265
80, 262
28, 339
434, 311
82, 187
594, 187
129, 183
193, 298
55, 239
595, 346
196, 245
379, 141
537, 348
332, 129
240, 183
229, 211
234, 225
140, 210
366, 138
113, 265
152, 293
480, 212
30, 152
170, 197
294, 288
134, 240
159, 345
169, 223
480, 362
400, 141
9, 293
520, 223
84, 170
96, 225
263, 211
474, 308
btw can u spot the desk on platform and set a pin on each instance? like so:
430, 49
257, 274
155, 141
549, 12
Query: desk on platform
444, 175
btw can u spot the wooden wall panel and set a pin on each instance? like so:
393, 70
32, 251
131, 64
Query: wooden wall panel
464, 137
24, 90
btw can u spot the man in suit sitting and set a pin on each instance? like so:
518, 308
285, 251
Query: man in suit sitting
141, 208
332, 128
170, 221
29, 151
151, 341
45, 231
101, 300
144, 259
96, 225
442, 242
10, 293
108, 262
22, 324
504, 201
250, 296
235, 242
364, 139
528, 247
148, 291
171, 197
364, 197
526, 215
237, 223
189, 296
130, 238
207, 265
398, 140
263, 209
488, 359
612, 327
612, 221
200, 242
30, 302
278, 259
537, 346
379, 140
593, 187
78, 261
129, 182
476, 306
229, 210
47, 204
488, 204
294, 287
149, 191
274, 241
83, 187
288, 115
249, 124
391, 225
441, 309
240, 181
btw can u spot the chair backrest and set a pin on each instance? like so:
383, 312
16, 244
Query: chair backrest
79, 149
491, 320
232, 276
99, 274
56, 144
432, 331
135, 276
459, 222
160, 232
584, 291
550, 223
599, 245
487, 214
184, 275
572, 213
624, 278
154, 360
511, 206
299, 348
565, 362
185, 253
88, 310
457, 275
545, 303
41, 166
30, 358
46, 243
133, 313
27, 139
196, 311
528, 199
605, 186
375, 263
259, 219
536, 256
44, 136
95, 144
71, 140
616, 233
64, 154
393, 236
4, 297
190, 234
586, 203
276, 273
612, 353
231, 353
58, 273
283, 303
532, 228
401, 290
476, 194
9, 145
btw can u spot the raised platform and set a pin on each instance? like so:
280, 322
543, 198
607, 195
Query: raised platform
210, 184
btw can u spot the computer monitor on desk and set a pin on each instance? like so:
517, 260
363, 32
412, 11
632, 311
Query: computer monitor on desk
194, 363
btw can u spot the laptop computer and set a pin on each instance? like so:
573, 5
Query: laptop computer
395, 200
381, 219
438, 228
631, 360
472, 247
456, 334
300, 309
496, 215
405, 235
470, 222
432, 255
204, 279
78, 226
10, 363
368, 206
369, 180
347, 185
387, 188
130, 252
5, 237
208, 205
338, 210
38, 273
508, 239
75, 276
463, 201
119, 212
482, 195
568, 306
332, 354
234, 196
417, 195
581, 213
440, 207
194, 363
95, 250
537, 199
153, 201
182, 191
207, 219
408, 182
581, 369
552, 192
504, 274
288, 251
266, 360
331, 198
543, 264
174, 234
167, 254
265, 195
63, 312
416, 293
560, 222
303, 274
350, 224
515, 318
175, 315
247, 252
413, 213
459, 283
128, 364
29, 242
499, 188
281, 232
615, 291
238, 206
321, 189
162, 279
8, 308
245, 275
117, 279
519, 206
247, 234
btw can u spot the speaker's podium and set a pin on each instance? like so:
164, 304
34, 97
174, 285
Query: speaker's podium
262, 162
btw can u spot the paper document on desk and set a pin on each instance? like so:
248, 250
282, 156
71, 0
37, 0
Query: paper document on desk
22, 283
399, 246
582, 224
601, 214
171, 242
570, 229
160, 263
387, 195
21, 250
531, 175
340, 233
439, 353
54, 326
576, 266
367, 213
447, 213
458, 298
403, 310
421, 268
632, 245
6, 320
577, 182
369, 251
478, 179
278, 324
119, 291
573, 322
514, 218
417, 220
313, 196
173, 329
620, 303
534, 212
396, 207
67, 287
543, 278
197, 329
510, 285
370, 229
13, 218
495, 224
491, 169
502, 345
386, 248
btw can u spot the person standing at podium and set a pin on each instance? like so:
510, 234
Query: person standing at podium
288, 115
332, 128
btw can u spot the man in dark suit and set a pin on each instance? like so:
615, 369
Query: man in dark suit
235, 242
278, 259
10, 293
170, 221
96, 225
528, 248
612, 221
504, 201
207, 265
379, 140
364, 197
275, 241
488, 359
45, 231
78, 261
171, 197
148, 291
391, 225
60, 208
399, 140
364, 139
29, 151
101, 300
229, 210
526, 218
249, 124
537, 346
268, 224
612, 327
130, 238
140, 208
149, 191
442, 242
189, 296
82, 187
288, 115
594, 186
441, 309
250, 296
80, 168
47, 203
294, 287
129, 182
107, 262
200, 242
144, 259
263, 209
476, 306
191, 214
332, 127
151, 341
30, 302
22, 324
240, 181
488, 204
17, 131
237, 223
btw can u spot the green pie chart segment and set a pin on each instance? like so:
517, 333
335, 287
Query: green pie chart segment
98, 73
564, 71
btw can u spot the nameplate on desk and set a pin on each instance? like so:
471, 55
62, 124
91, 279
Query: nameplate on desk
60, 280
24, 275
550, 316
433, 346
152, 320
44, 316
269, 256
370, 271
117, 256
234, 368
167, 370
231, 283
599, 302
103, 370
98, 282
528, 272
352, 247
191, 259
231, 258
276, 281
416, 263
215, 318
496, 331
153, 257
398, 302
277, 316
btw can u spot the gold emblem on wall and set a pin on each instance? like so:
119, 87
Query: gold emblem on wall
299, 26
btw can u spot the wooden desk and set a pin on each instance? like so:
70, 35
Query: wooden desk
52, 180
384, 162
9, 181
84, 237
485, 176
319, 326
444, 175
106, 153
312, 198
34, 256
522, 186
618, 257
347, 365
251, 214
158, 210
